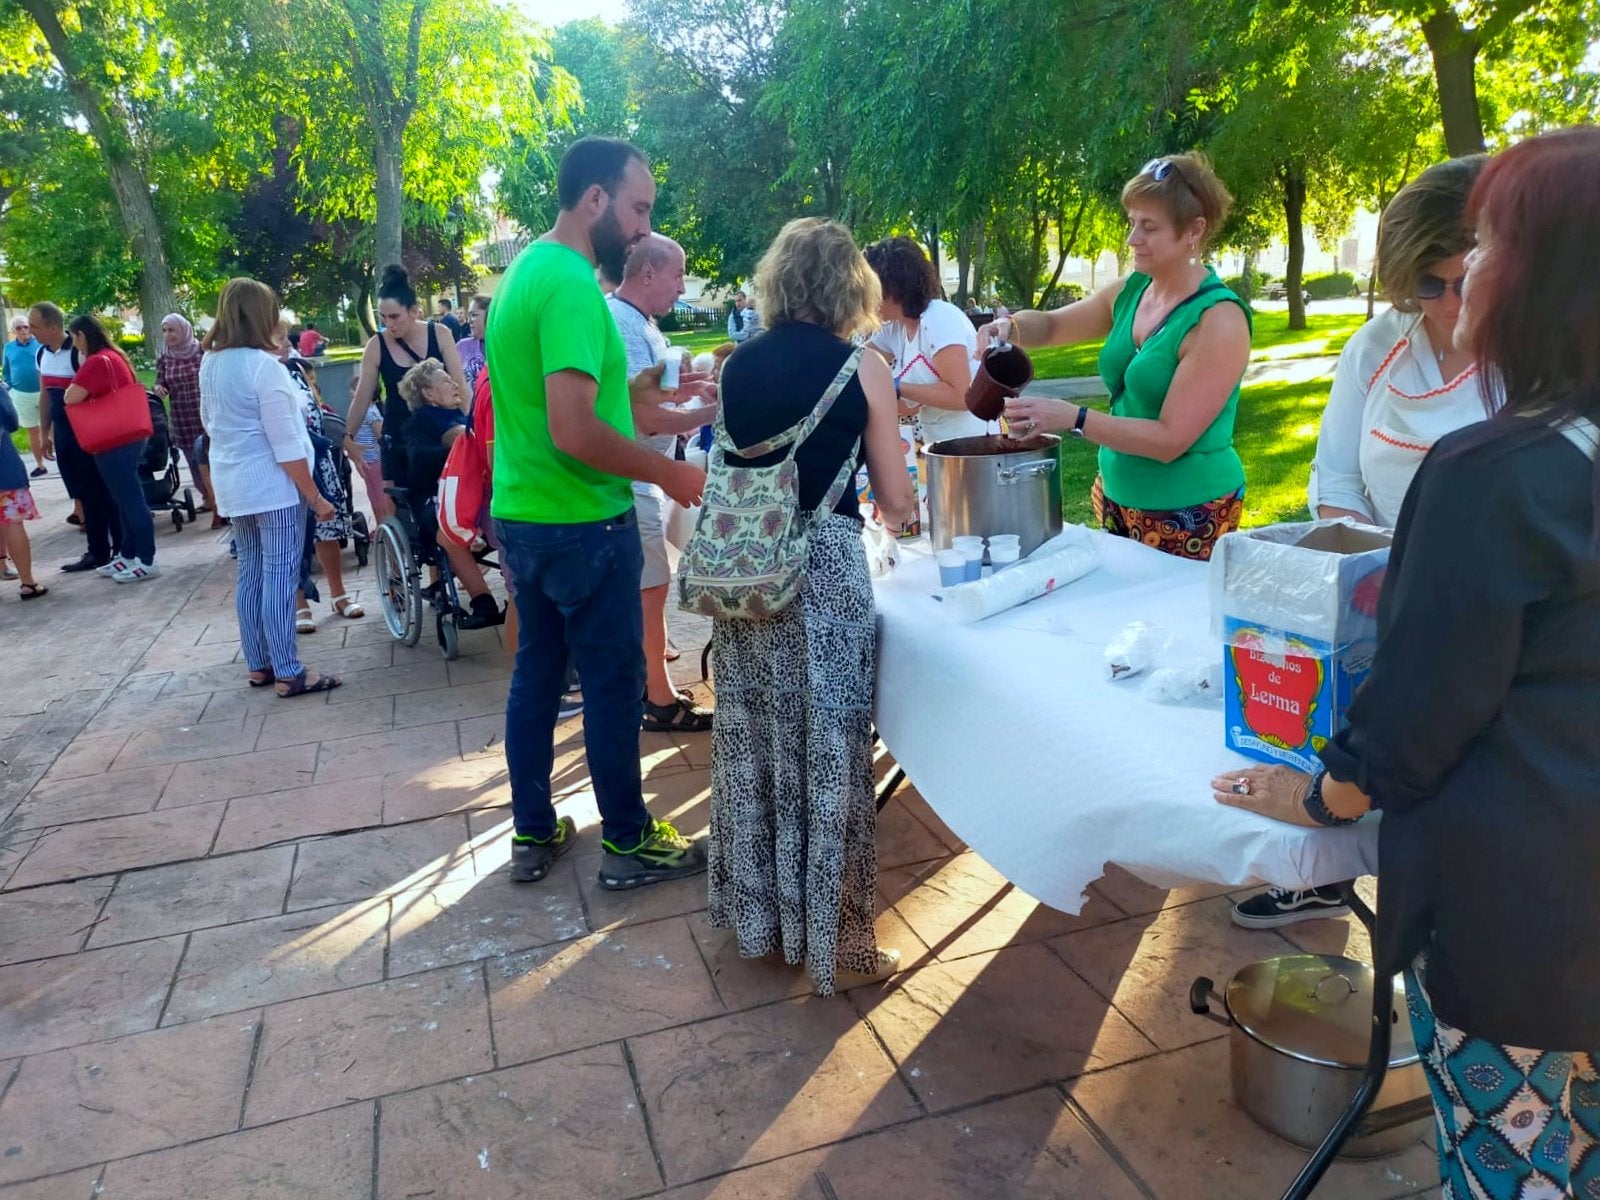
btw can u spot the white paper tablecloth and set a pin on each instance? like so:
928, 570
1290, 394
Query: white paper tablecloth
1013, 734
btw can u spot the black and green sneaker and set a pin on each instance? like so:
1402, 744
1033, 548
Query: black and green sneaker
532, 859
662, 853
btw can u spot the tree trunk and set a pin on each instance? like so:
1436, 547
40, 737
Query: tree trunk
157, 296
980, 262
964, 241
933, 253
1455, 58
388, 165
1294, 210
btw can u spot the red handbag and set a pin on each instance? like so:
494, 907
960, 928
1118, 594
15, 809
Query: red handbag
116, 419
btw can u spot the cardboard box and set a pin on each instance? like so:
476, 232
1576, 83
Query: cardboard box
1296, 607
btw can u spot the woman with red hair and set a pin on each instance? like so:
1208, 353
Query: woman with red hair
1474, 735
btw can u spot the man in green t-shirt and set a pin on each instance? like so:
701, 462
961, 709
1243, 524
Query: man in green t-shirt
565, 458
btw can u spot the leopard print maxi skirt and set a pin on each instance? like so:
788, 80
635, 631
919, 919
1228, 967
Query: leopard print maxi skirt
793, 864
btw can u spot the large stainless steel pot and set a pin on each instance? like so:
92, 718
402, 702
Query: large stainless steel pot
1300, 1026
988, 485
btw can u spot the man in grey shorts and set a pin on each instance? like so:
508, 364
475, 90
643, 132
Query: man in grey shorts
651, 282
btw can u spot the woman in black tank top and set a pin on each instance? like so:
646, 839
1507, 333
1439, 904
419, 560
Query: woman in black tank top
405, 340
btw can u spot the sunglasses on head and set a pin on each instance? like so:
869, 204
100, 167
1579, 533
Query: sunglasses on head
1431, 287
1159, 168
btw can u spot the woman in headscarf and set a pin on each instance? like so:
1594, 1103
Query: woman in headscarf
178, 383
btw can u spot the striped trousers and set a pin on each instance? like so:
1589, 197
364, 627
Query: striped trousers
269, 545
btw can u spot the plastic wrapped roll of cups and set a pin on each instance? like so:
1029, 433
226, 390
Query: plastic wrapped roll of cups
1056, 563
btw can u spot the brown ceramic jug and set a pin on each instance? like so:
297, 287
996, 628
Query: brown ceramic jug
1002, 373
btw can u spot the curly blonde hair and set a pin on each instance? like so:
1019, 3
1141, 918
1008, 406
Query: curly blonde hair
815, 272
416, 382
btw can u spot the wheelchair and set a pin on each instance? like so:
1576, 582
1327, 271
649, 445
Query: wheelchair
402, 548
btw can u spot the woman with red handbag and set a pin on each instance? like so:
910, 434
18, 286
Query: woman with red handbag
115, 438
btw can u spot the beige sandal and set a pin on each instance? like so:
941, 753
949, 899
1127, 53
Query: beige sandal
304, 621
352, 610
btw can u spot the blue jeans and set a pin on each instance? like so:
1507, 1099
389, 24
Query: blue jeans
577, 591
119, 469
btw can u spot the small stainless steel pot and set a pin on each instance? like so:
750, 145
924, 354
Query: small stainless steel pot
1299, 1032
987, 485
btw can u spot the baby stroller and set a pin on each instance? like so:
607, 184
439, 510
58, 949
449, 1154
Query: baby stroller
158, 470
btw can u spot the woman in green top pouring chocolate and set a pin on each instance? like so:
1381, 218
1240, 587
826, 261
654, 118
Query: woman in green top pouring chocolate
1177, 341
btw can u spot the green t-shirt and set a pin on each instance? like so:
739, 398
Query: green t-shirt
549, 315
1210, 469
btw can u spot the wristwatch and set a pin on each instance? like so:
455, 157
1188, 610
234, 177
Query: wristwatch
1077, 426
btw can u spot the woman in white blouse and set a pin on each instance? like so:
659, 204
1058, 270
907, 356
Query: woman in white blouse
929, 342
1401, 383
261, 459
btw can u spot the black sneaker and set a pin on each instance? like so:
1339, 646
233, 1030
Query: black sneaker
1283, 906
531, 860
38, 473
662, 854
484, 614
87, 563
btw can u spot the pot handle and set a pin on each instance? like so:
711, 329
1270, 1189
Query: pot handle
1201, 992
1028, 470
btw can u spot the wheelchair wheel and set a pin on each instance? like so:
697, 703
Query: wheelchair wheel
399, 587
449, 635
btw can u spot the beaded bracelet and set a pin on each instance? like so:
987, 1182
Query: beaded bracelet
1317, 808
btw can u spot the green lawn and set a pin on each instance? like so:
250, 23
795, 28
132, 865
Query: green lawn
1273, 339
696, 340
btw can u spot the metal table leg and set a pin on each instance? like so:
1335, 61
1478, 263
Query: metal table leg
1351, 1122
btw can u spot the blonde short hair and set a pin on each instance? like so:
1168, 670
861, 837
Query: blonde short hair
1425, 223
247, 316
815, 272
415, 383
1190, 191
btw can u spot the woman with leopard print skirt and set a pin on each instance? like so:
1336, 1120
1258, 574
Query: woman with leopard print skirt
792, 853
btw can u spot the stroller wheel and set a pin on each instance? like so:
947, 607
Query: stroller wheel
362, 552
177, 518
188, 503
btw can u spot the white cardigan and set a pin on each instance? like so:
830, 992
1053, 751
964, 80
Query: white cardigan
253, 413
1388, 406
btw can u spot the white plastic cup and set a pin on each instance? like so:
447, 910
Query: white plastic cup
1003, 556
1005, 541
672, 364
972, 547
952, 567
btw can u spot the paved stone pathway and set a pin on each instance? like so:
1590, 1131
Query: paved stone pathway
261, 949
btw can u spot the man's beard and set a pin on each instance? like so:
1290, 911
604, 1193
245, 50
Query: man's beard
610, 245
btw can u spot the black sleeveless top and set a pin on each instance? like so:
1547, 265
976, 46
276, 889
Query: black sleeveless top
394, 408
771, 382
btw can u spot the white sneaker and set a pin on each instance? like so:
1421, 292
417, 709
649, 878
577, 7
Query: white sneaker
114, 568
137, 572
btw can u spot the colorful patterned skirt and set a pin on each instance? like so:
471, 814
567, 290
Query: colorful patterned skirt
17, 506
1511, 1123
1183, 532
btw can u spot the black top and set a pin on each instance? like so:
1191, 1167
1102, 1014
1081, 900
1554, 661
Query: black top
771, 382
425, 448
391, 369
1475, 736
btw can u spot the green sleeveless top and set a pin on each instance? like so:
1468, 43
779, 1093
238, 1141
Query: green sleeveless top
1208, 470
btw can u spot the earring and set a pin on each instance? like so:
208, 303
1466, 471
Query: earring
1193, 261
